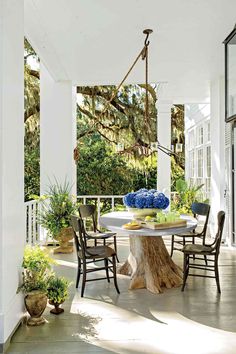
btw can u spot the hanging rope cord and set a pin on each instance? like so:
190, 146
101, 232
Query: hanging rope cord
144, 55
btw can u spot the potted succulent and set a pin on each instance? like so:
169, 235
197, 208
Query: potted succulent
57, 207
36, 274
57, 293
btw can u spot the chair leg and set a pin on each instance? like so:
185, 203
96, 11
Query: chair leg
114, 273
205, 257
193, 242
84, 279
115, 246
172, 245
107, 269
217, 276
78, 273
185, 271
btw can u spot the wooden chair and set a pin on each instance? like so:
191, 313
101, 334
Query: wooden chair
212, 250
89, 211
198, 209
91, 254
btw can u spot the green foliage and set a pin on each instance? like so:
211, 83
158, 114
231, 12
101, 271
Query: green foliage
186, 196
120, 120
36, 260
32, 127
32, 167
57, 208
57, 289
37, 269
177, 136
101, 171
177, 173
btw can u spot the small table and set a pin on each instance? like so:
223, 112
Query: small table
149, 263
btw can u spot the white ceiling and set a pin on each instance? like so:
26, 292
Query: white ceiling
92, 42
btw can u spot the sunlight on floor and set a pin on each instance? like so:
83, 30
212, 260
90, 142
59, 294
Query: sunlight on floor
119, 330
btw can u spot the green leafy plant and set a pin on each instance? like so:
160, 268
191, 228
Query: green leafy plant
37, 269
57, 209
186, 196
57, 291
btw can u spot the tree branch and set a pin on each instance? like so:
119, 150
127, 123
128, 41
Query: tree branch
31, 111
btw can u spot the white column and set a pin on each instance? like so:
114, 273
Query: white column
57, 131
164, 137
217, 151
12, 218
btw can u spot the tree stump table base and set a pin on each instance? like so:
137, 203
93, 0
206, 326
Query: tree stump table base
150, 265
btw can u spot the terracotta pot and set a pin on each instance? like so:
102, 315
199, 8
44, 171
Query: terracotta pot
35, 303
57, 310
64, 236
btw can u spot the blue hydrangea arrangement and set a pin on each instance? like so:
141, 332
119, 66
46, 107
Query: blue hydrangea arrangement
145, 198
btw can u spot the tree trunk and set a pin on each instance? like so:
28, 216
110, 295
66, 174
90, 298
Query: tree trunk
150, 265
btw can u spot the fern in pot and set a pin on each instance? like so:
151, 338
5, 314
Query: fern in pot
57, 207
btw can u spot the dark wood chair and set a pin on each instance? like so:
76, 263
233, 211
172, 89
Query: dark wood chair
92, 254
210, 250
88, 211
198, 209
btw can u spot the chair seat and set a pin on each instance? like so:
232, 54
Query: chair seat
101, 235
98, 252
189, 234
193, 248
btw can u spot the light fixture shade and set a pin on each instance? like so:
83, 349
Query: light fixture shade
119, 147
153, 146
179, 147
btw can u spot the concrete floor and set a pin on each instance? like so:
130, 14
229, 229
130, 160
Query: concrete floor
199, 320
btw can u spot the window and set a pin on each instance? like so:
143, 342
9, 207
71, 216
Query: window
191, 140
208, 132
208, 161
200, 135
191, 164
200, 163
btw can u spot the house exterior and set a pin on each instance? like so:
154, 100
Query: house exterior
84, 43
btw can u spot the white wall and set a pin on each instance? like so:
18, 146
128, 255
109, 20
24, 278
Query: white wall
57, 131
12, 220
218, 148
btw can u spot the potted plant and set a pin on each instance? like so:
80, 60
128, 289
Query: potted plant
57, 207
57, 293
36, 274
186, 195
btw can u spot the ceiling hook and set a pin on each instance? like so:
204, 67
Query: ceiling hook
147, 32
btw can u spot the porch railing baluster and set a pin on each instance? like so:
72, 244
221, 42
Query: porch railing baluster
35, 234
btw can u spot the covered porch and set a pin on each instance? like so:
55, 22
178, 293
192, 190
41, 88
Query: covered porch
92, 43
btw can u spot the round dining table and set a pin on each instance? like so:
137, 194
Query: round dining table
149, 263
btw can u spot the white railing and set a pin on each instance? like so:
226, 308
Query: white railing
33, 233
99, 199
32, 225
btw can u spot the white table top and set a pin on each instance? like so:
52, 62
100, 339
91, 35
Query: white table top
113, 221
